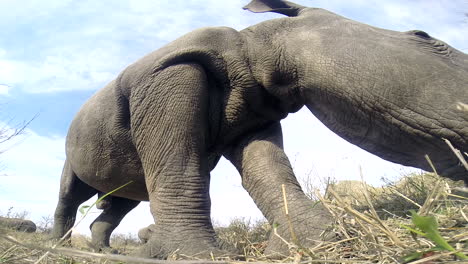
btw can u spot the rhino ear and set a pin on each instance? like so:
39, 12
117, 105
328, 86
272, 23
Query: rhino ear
278, 6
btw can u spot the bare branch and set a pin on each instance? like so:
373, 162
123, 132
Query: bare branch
5, 135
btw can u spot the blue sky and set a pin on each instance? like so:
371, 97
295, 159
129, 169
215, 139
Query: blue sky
54, 54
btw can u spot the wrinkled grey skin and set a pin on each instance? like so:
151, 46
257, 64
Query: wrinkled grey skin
165, 121
18, 224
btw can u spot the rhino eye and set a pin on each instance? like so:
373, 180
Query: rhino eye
421, 33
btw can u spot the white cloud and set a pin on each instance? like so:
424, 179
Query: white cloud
11, 72
441, 19
28, 10
90, 54
4, 89
87, 55
65, 72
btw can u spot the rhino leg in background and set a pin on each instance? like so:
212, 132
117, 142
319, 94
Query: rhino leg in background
145, 234
72, 193
109, 219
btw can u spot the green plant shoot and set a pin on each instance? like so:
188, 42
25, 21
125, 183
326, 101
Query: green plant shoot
85, 208
428, 225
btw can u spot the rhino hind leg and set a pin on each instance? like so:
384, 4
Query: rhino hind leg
73, 192
109, 219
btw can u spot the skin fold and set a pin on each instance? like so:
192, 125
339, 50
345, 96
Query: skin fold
165, 121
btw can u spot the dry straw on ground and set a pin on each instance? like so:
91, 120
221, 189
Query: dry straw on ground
366, 238
368, 228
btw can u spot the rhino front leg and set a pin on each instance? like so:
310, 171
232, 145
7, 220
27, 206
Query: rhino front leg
114, 211
169, 123
264, 168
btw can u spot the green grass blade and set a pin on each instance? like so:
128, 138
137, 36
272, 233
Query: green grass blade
83, 209
88, 207
428, 224
113, 191
413, 230
413, 256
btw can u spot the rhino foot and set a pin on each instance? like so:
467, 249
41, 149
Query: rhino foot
309, 228
180, 243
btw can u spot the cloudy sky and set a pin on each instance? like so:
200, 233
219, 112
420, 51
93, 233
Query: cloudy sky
54, 54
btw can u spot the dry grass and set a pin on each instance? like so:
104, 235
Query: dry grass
368, 228
244, 236
364, 237
397, 198
29, 247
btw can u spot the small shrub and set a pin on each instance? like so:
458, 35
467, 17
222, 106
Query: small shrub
409, 193
395, 198
124, 243
11, 213
362, 234
246, 237
45, 224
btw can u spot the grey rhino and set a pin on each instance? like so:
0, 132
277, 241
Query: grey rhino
18, 224
166, 120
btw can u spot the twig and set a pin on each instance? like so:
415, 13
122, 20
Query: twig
463, 214
335, 216
428, 259
286, 211
17, 131
392, 237
368, 233
371, 206
395, 191
460, 236
392, 214
275, 231
435, 193
7, 251
333, 261
431, 164
457, 196
334, 243
457, 153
